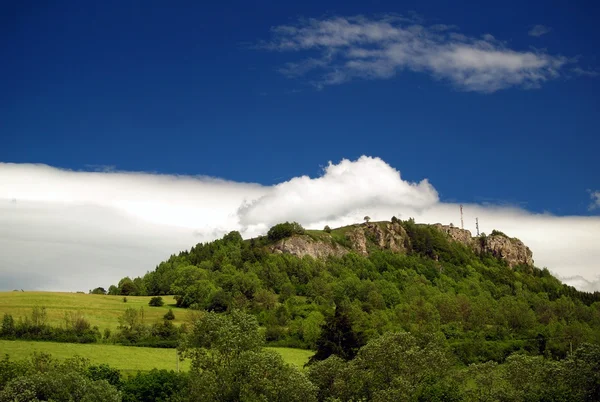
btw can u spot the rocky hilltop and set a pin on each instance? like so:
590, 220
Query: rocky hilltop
361, 238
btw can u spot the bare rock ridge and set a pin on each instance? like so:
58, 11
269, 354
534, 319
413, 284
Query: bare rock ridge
392, 236
512, 250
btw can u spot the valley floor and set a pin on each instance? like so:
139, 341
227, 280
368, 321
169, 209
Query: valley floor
124, 358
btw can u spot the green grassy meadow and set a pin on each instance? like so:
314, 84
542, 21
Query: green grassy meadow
100, 310
124, 358
103, 311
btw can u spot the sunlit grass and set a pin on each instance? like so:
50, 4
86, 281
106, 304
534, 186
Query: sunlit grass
124, 358
100, 310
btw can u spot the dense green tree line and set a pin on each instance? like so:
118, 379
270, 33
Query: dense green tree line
229, 364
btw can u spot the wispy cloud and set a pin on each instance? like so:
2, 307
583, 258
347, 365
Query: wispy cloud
341, 49
539, 30
595, 196
586, 73
66, 230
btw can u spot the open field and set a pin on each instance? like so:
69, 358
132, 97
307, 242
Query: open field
100, 310
124, 358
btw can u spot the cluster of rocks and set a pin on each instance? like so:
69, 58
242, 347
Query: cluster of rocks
392, 236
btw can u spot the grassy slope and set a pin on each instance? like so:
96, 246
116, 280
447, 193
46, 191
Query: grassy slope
103, 311
124, 358
99, 310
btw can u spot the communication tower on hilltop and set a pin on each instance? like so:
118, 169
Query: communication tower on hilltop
477, 225
462, 224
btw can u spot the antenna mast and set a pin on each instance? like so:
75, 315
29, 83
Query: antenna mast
477, 225
462, 225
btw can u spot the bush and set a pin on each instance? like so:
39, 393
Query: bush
124, 300
327, 229
283, 230
169, 315
156, 301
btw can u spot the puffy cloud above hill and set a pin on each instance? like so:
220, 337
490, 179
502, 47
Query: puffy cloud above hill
68, 230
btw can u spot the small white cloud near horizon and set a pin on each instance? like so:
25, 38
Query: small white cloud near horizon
341, 49
539, 30
67, 230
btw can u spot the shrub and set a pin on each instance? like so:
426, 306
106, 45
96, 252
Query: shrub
327, 229
156, 301
169, 315
125, 300
283, 230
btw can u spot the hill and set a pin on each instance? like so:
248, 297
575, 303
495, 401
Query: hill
482, 293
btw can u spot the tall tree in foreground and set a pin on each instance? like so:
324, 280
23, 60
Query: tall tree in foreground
338, 337
228, 363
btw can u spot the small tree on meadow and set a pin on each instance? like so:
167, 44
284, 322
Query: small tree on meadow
156, 301
367, 219
169, 315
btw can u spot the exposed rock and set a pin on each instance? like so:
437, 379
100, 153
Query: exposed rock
457, 234
305, 245
358, 240
392, 238
513, 251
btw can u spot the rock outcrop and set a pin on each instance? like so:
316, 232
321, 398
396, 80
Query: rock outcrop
392, 236
511, 250
304, 245
457, 234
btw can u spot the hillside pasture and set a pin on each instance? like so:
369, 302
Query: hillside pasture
100, 310
128, 359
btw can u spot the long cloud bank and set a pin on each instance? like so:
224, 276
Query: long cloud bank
68, 230
339, 49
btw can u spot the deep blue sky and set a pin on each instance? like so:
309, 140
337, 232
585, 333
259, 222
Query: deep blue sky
182, 89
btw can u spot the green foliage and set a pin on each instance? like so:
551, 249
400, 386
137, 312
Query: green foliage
283, 230
169, 315
337, 337
228, 363
8, 326
156, 301
76, 328
104, 372
327, 229
45, 379
155, 385
98, 291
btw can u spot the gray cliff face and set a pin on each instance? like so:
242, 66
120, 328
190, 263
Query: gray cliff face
511, 250
392, 236
304, 245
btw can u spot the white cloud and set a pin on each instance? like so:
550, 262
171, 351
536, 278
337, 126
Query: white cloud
595, 196
539, 30
65, 230
346, 48
371, 181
